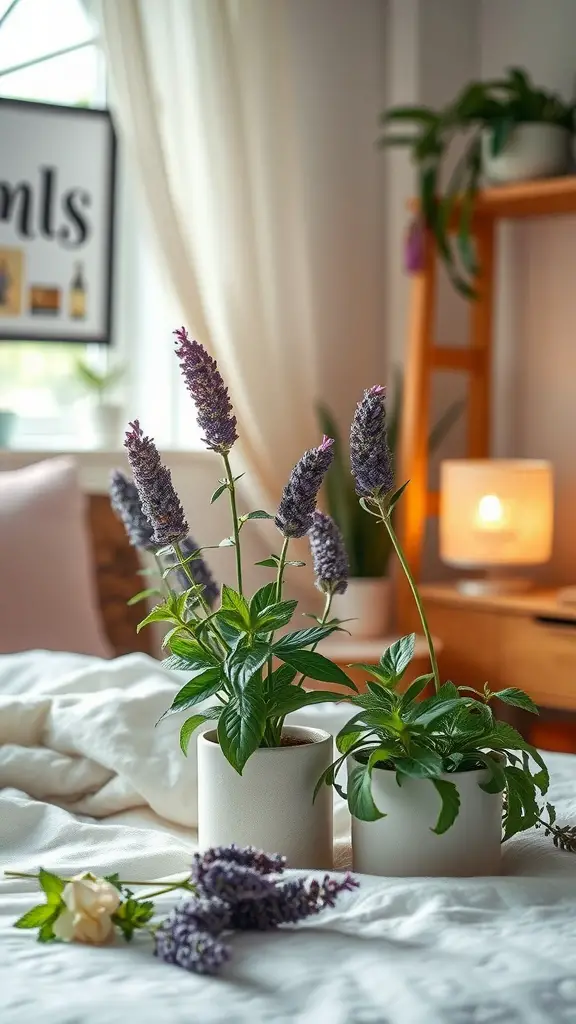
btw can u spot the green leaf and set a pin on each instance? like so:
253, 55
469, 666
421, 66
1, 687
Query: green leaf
377, 758
44, 913
258, 514
274, 616
381, 675
204, 685
143, 594
395, 497
497, 781
397, 657
46, 932
517, 698
161, 613
280, 678
346, 740
382, 700
302, 638
147, 571
360, 799
233, 601
191, 652
51, 885
418, 114
415, 689
316, 666
450, 805
269, 563
219, 490
262, 599
187, 729
245, 662
295, 697
241, 726
522, 807
421, 763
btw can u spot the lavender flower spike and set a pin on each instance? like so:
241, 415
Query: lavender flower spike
200, 572
126, 504
291, 901
298, 501
369, 453
328, 554
160, 503
204, 382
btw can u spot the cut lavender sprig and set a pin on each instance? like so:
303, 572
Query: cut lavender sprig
298, 501
248, 856
328, 554
231, 882
206, 386
200, 572
160, 503
126, 504
290, 902
195, 951
370, 457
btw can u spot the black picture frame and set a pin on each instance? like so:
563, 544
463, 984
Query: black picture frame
105, 338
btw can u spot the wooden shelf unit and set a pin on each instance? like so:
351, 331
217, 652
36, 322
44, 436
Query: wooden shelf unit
547, 198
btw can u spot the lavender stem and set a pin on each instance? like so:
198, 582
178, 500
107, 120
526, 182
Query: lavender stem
236, 529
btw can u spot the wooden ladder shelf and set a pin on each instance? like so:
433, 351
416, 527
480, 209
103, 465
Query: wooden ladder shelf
551, 197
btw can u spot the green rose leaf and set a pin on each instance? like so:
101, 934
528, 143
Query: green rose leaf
44, 913
517, 698
241, 726
243, 664
274, 616
302, 638
450, 805
316, 666
397, 657
360, 799
51, 885
202, 686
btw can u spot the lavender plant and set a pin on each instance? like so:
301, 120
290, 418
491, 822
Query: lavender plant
455, 729
230, 651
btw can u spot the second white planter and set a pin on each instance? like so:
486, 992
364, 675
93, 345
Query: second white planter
366, 604
402, 843
533, 151
270, 805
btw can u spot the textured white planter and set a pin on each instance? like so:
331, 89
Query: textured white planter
402, 843
367, 603
533, 151
107, 424
270, 804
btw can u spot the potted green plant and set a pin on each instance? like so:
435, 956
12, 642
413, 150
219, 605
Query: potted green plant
426, 778
365, 605
513, 131
107, 414
256, 776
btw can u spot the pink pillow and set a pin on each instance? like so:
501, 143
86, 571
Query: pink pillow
47, 591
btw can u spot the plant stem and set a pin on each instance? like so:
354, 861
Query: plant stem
184, 884
236, 528
163, 583
169, 888
281, 567
415, 594
184, 566
325, 614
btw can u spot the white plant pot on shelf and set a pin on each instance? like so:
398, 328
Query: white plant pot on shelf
270, 805
107, 419
533, 151
402, 843
367, 604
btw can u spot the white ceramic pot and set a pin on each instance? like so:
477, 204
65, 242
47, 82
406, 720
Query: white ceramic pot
403, 844
367, 604
270, 805
533, 151
107, 424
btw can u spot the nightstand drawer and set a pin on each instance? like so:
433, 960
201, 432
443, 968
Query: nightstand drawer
539, 656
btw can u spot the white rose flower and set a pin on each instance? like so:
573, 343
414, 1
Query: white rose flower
90, 902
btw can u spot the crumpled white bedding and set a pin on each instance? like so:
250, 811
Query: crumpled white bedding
77, 743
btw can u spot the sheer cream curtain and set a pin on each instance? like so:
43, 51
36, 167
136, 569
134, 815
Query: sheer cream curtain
251, 123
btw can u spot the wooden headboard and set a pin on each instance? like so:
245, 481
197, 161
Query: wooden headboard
117, 579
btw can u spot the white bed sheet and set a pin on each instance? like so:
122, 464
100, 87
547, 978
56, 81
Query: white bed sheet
497, 951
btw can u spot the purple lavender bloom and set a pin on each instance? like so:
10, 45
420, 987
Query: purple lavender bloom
369, 453
160, 503
200, 914
199, 571
126, 504
298, 501
328, 554
290, 902
195, 951
248, 856
233, 882
204, 382
414, 248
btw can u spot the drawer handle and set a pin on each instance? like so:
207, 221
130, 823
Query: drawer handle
556, 620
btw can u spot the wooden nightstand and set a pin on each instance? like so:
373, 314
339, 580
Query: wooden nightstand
527, 640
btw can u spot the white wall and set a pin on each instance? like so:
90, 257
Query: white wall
537, 314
